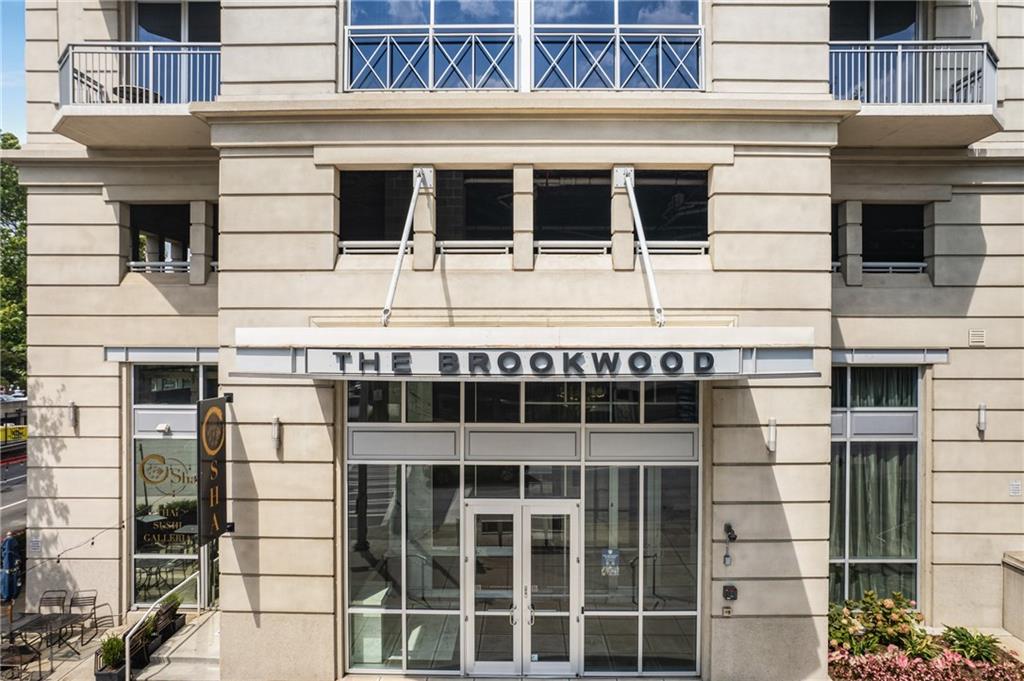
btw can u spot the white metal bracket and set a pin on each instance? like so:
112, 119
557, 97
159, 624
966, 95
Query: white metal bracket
624, 176
420, 177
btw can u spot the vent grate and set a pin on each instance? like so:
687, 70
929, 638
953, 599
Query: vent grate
976, 338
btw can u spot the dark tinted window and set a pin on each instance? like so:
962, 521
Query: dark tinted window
555, 402
492, 482
474, 204
613, 402
158, 22
374, 401
204, 22
168, 384
492, 403
670, 402
895, 20
428, 402
374, 204
163, 223
835, 232
673, 205
572, 205
893, 233
849, 20
209, 382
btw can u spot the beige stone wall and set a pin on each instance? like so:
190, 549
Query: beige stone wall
279, 232
976, 282
279, 48
80, 299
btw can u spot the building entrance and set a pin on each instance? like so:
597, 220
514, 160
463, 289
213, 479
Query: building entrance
522, 578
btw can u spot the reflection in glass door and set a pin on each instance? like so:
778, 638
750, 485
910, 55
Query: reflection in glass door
522, 573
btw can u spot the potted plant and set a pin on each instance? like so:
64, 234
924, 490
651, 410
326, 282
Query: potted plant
151, 636
177, 619
108, 663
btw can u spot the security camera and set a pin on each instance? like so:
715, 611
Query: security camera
730, 534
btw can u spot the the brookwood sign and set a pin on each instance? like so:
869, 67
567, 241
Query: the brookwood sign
535, 363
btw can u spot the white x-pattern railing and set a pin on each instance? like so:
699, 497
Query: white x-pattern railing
432, 60
619, 60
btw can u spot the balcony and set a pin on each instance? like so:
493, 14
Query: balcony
562, 58
915, 93
146, 87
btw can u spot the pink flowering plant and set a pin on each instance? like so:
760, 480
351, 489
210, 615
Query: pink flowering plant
882, 639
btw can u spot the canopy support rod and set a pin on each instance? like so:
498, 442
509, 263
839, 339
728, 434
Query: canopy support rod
417, 183
626, 175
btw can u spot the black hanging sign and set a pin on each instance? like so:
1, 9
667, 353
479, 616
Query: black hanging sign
212, 433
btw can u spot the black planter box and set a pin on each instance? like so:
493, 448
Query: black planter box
154, 643
110, 674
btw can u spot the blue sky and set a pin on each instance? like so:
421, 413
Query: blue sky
12, 67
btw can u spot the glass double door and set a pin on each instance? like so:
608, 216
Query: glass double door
522, 581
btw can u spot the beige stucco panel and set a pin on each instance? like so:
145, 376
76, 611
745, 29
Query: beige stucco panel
246, 638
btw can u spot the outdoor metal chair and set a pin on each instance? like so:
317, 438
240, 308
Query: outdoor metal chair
82, 611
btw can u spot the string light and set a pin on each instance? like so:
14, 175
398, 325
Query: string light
91, 541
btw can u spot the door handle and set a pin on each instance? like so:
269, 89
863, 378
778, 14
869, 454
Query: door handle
512, 615
533, 613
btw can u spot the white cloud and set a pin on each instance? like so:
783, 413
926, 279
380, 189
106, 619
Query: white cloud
479, 10
407, 12
667, 12
552, 11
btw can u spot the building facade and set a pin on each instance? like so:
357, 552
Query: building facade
603, 337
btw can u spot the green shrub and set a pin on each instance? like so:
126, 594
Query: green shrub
149, 627
974, 646
174, 602
112, 652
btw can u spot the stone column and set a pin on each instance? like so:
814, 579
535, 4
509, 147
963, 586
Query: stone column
623, 248
424, 229
522, 217
201, 238
851, 246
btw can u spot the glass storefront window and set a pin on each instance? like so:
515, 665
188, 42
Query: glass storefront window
431, 402
610, 644
167, 384
492, 482
492, 403
670, 402
883, 387
611, 538
613, 402
154, 577
873, 511
552, 482
432, 537
209, 382
166, 519
555, 402
670, 538
375, 536
375, 641
374, 401
670, 643
433, 643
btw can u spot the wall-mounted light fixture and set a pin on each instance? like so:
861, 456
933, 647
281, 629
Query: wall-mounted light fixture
772, 435
73, 415
275, 433
982, 417
730, 537
164, 428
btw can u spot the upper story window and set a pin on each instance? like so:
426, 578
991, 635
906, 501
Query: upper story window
890, 20
431, 45
161, 237
177, 22
374, 204
484, 45
893, 237
474, 205
571, 205
673, 204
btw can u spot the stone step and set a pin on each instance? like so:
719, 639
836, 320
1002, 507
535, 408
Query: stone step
192, 654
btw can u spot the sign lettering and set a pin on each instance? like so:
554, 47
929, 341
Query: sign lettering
212, 492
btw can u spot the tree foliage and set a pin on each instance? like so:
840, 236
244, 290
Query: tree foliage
13, 242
